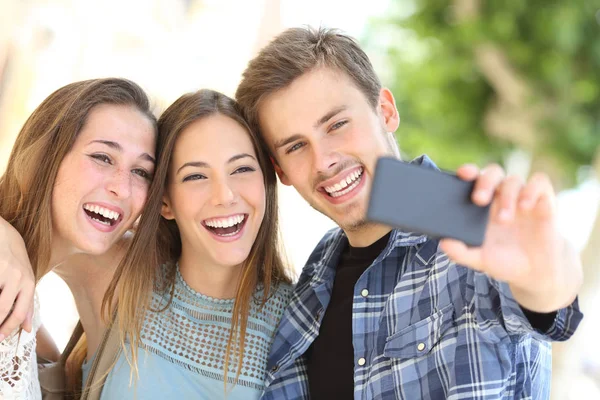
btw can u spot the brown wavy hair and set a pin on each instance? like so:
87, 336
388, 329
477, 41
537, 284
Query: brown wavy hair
264, 266
42, 144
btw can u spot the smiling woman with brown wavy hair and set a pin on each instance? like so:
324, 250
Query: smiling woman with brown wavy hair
222, 285
77, 179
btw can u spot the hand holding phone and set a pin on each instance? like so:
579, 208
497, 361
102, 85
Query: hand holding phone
427, 201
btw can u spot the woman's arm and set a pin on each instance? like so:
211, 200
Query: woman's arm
45, 347
16, 280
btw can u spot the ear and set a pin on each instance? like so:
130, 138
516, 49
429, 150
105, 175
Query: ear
389, 112
166, 211
282, 176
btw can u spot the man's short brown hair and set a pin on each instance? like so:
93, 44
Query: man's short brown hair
297, 51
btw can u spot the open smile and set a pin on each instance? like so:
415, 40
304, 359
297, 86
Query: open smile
227, 228
103, 218
341, 189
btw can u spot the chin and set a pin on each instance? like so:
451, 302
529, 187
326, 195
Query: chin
95, 248
352, 224
233, 260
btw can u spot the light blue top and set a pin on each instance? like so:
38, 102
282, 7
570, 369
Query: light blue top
183, 348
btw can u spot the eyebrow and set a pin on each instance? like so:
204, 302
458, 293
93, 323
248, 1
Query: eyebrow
116, 146
330, 115
320, 121
202, 164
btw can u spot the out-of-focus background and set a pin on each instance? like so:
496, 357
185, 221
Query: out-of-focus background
511, 81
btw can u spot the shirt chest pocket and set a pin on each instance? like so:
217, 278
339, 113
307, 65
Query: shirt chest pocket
418, 339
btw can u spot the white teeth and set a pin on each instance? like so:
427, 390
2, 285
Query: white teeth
343, 192
224, 222
105, 212
344, 183
102, 222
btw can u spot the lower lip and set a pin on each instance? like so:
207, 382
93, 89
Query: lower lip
232, 238
347, 196
100, 226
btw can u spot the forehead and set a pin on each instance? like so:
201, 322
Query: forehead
298, 106
216, 138
119, 123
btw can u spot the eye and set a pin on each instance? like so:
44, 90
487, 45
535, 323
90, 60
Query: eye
103, 158
338, 125
243, 169
143, 173
193, 177
295, 147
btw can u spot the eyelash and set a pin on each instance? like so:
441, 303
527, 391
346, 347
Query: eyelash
243, 169
334, 127
103, 158
294, 148
197, 177
338, 125
194, 177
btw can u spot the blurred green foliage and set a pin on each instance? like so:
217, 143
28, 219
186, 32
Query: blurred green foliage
442, 95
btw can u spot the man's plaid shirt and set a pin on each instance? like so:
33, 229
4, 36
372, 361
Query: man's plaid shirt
427, 329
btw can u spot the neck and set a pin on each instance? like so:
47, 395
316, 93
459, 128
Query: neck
208, 278
367, 234
60, 253
88, 277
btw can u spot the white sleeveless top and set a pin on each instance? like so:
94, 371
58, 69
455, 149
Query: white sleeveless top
18, 363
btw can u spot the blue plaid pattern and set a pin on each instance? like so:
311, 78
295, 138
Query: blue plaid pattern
428, 328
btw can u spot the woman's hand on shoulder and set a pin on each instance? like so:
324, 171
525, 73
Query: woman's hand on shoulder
17, 282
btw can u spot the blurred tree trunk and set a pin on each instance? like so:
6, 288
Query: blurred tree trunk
513, 116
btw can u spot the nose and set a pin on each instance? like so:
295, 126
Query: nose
119, 184
223, 193
324, 158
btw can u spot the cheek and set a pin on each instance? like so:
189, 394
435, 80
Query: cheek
255, 194
298, 170
188, 200
70, 184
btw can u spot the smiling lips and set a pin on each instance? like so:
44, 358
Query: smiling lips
345, 185
226, 226
102, 215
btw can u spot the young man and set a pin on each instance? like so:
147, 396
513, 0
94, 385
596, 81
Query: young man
384, 314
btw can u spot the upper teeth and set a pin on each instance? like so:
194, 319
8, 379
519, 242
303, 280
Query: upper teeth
224, 222
105, 212
344, 182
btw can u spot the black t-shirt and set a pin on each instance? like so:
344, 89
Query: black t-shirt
330, 359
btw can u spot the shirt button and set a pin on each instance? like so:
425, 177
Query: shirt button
364, 293
362, 361
421, 346
274, 369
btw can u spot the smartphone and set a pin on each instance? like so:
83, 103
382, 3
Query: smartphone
427, 201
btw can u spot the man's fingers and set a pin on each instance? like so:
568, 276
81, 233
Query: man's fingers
468, 172
486, 184
538, 195
461, 254
506, 199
